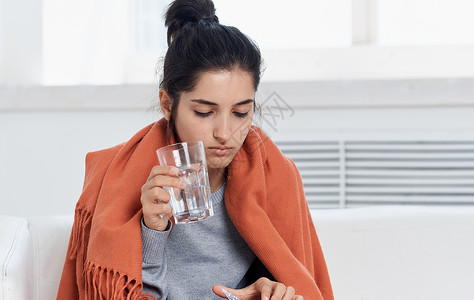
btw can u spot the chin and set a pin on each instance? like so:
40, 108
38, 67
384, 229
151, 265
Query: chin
218, 162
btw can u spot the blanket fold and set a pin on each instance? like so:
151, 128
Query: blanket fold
264, 198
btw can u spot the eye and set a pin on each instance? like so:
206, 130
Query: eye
201, 114
241, 115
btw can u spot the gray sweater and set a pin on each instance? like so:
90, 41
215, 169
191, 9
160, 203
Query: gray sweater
188, 262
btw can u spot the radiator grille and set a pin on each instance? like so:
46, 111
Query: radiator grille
358, 173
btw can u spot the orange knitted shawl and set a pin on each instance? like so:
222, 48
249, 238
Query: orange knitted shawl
264, 198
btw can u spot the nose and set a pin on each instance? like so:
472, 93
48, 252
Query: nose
222, 129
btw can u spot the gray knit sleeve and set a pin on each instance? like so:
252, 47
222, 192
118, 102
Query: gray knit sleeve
154, 261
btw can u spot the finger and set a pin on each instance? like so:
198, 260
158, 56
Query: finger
157, 210
217, 289
158, 195
156, 222
245, 292
156, 215
155, 196
279, 290
163, 170
290, 292
165, 180
265, 287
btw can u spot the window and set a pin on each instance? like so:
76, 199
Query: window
121, 41
299, 24
273, 24
349, 39
425, 22
150, 30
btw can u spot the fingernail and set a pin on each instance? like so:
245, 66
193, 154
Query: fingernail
174, 171
182, 184
266, 297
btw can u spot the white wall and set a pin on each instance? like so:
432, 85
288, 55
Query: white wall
43, 140
42, 155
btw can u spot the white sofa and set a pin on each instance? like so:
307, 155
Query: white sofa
373, 253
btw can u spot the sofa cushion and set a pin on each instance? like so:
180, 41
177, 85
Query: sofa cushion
399, 252
16, 259
50, 237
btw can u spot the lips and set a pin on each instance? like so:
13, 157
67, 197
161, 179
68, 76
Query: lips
220, 150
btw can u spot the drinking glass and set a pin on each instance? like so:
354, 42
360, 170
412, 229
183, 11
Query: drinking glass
193, 203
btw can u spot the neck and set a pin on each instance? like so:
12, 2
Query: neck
217, 178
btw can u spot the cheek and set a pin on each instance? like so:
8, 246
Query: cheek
190, 128
241, 129
181, 122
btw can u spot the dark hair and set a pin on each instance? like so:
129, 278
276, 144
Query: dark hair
198, 43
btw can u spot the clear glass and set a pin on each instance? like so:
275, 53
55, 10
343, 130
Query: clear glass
193, 203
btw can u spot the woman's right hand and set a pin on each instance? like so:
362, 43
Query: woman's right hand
154, 199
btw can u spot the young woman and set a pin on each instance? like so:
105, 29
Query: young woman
261, 242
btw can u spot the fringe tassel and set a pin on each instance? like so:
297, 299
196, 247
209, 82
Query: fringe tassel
82, 219
104, 283
100, 282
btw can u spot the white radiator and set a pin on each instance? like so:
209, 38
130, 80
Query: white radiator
358, 173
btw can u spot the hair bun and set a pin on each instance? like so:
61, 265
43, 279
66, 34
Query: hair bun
214, 19
182, 12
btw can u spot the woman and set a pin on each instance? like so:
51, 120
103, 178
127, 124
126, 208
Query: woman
261, 242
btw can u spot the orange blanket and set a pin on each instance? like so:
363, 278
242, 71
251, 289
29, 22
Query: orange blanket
264, 198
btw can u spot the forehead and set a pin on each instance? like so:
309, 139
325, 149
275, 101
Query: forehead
223, 86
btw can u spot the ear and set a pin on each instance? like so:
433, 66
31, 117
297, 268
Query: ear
165, 104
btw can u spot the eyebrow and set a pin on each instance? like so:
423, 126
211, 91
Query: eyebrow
206, 102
